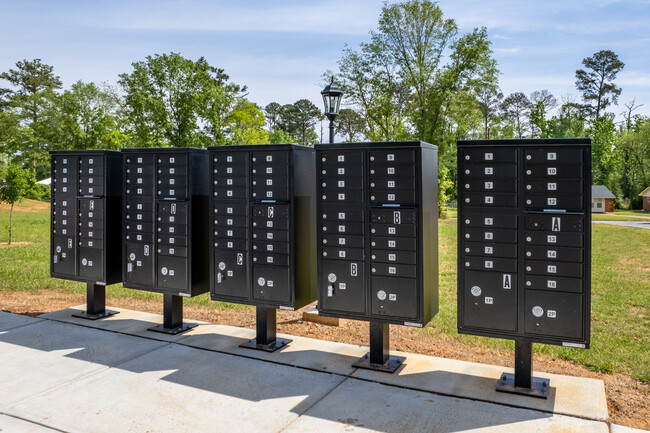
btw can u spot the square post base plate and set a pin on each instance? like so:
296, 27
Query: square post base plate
390, 366
87, 316
173, 331
539, 389
270, 347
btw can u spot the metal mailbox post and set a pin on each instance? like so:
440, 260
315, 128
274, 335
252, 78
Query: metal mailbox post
524, 250
263, 242
378, 238
85, 229
165, 223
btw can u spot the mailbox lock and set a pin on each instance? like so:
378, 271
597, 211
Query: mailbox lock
132, 257
261, 281
476, 291
538, 311
381, 295
222, 266
529, 172
331, 278
163, 270
58, 248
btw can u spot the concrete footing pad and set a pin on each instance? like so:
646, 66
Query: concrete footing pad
71, 375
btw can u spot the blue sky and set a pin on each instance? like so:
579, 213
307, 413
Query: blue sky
280, 49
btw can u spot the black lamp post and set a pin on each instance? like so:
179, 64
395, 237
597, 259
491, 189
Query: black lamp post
332, 99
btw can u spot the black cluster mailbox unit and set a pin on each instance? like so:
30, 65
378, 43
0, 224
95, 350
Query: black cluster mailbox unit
378, 237
166, 227
263, 246
86, 206
524, 250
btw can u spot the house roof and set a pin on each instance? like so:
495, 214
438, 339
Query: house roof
601, 191
645, 192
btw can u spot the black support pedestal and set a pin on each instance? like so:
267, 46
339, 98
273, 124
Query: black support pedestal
95, 303
266, 339
379, 358
523, 382
172, 316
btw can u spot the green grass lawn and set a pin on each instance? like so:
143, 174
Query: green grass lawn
620, 287
622, 215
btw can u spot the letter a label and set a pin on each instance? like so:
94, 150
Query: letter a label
555, 225
507, 281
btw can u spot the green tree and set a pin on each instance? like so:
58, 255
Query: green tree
516, 107
280, 136
350, 125
13, 189
603, 163
569, 122
273, 113
32, 98
597, 82
542, 102
489, 100
246, 122
298, 119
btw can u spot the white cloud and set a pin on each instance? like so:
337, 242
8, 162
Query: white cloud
513, 50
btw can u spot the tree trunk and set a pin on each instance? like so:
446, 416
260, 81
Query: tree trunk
11, 213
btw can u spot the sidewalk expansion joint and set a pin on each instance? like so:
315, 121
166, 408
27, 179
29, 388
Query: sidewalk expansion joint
33, 422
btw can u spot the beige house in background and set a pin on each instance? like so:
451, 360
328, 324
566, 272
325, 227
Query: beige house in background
602, 199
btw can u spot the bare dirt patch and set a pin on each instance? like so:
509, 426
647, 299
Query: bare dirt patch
628, 400
27, 206
14, 244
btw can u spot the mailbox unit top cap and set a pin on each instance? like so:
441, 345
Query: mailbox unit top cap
164, 150
376, 144
528, 142
83, 151
259, 147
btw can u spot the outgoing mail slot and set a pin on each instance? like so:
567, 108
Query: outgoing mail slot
179, 241
341, 183
230, 209
553, 171
231, 273
335, 159
508, 251
335, 196
271, 247
475, 218
91, 205
271, 283
485, 155
490, 300
271, 211
490, 264
550, 155
271, 235
387, 256
565, 186
491, 200
346, 241
394, 270
556, 314
490, 235
231, 244
488, 185
172, 273
554, 239
404, 244
562, 269
563, 254
393, 196
553, 283
392, 184
391, 157
555, 201
401, 230
343, 228
383, 171
490, 171
271, 259
91, 263
355, 254
231, 232
339, 214
555, 222
394, 297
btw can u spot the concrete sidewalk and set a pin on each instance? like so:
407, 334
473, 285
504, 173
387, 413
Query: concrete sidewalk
64, 374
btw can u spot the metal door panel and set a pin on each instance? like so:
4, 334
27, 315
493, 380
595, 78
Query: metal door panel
342, 171
347, 293
563, 186
231, 221
91, 263
139, 205
383, 171
560, 314
173, 229
348, 196
91, 243
400, 230
485, 249
230, 181
139, 227
172, 273
555, 222
490, 301
171, 193
401, 216
345, 241
339, 158
558, 155
179, 241
552, 171
143, 170
405, 244
334, 213
63, 255
271, 235
140, 180
490, 235
231, 232
343, 228
394, 270
97, 233
560, 254
560, 269
491, 171
272, 283
491, 199
493, 219
172, 159
230, 170
392, 183
561, 284
399, 196
355, 254
489, 155
394, 297
230, 209
139, 237
554, 201
264, 258
554, 239
490, 185
226, 158
391, 157
231, 244
230, 276
332, 184
230, 193
92, 205
385, 256
271, 247
490, 264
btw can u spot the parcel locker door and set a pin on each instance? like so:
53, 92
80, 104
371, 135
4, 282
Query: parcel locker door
344, 285
490, 301
139, 264
554, 314
230, 275
394, 297
63, 255
272, 283
91, 263
172, 273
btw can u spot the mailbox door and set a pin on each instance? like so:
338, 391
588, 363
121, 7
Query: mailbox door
490, 300
139, 264
272, 284
343, 286
64, 255
231, 274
